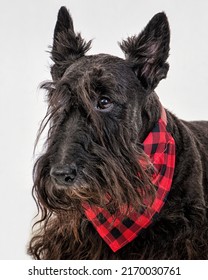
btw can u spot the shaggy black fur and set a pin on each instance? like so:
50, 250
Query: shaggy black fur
101, 108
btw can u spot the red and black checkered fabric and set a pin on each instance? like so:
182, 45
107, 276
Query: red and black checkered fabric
119, 230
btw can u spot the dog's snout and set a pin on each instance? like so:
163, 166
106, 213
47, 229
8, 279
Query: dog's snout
64, 174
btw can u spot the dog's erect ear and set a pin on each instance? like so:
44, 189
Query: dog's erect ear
67, 45
149, 51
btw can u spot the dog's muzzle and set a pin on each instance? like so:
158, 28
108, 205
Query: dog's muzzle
64, 175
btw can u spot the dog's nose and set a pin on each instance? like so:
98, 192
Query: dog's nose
64, 174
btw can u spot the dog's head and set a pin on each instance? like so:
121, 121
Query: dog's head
101, 107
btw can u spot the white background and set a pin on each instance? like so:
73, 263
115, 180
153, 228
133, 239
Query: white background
26, 30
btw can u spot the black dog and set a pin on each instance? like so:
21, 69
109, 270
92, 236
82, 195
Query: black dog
120, 177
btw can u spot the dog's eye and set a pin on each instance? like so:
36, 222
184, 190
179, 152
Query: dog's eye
104, 103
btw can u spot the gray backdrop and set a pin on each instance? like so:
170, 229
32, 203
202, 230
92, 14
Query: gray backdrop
26, 28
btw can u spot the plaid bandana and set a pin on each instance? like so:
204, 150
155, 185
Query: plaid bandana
119, 230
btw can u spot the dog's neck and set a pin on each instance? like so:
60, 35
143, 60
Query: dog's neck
152, 111
163, 114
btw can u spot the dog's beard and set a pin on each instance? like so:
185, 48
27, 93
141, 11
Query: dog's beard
112, 183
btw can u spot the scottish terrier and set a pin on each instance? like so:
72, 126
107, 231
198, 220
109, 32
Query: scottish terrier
120, 177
